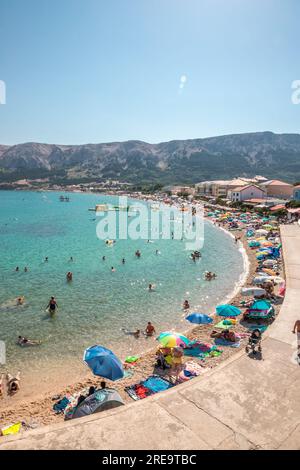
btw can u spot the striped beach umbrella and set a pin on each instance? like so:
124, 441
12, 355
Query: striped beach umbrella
171, 340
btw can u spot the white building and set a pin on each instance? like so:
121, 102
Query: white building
244, 193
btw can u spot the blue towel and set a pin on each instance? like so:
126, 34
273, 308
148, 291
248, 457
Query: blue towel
61, 405
157, 384
194, 352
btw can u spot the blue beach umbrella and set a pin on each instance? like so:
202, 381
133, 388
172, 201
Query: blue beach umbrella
103, 362
227, 310
199, 318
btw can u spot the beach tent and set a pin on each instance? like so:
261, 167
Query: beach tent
101, 400
254, 244
260, 309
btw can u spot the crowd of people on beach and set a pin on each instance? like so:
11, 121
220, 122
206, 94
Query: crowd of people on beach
171, 361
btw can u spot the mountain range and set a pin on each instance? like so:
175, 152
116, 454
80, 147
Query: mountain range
174, 162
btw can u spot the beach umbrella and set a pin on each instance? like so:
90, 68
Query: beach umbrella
171, 340
103, 362
199, 318
227, 310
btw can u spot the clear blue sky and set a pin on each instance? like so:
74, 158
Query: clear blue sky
80, 71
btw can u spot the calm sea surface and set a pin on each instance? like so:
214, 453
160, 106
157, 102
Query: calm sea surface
98, 303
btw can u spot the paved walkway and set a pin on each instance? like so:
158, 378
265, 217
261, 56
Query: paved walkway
242, 404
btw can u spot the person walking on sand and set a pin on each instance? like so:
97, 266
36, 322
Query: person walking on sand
13, 383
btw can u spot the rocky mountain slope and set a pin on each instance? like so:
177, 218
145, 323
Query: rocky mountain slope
180, 161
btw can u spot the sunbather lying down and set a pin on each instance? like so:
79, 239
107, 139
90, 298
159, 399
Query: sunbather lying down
225, 334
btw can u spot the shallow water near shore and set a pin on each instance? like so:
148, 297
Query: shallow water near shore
97, 303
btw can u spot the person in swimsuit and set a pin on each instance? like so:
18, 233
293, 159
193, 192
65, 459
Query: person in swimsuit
69, 276
22, 341
52, 305
186, 305
150, 330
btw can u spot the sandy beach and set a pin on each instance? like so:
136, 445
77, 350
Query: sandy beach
36, 409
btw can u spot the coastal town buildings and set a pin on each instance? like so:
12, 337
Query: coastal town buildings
277, 188
247, 192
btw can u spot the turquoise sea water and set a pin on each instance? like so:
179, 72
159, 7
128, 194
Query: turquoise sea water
98, 303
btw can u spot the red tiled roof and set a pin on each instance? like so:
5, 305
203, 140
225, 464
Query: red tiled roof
277, 207
241, 188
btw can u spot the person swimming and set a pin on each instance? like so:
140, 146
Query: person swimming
69, 276
46, 259
52, 306
17, 269
20, 300
123, 260
103, 258
138, 253
186, 305
113, 269
71, 258
135, 333
22, 341
151, 287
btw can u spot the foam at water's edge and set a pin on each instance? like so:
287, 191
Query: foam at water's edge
246, 263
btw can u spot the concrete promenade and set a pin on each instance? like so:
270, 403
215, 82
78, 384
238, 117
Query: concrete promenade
242, 404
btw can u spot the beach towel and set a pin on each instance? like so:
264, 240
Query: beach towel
224, 342
10, 430
224, 324
154, 384
61, 405
202, 350
191, 370
131, 359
